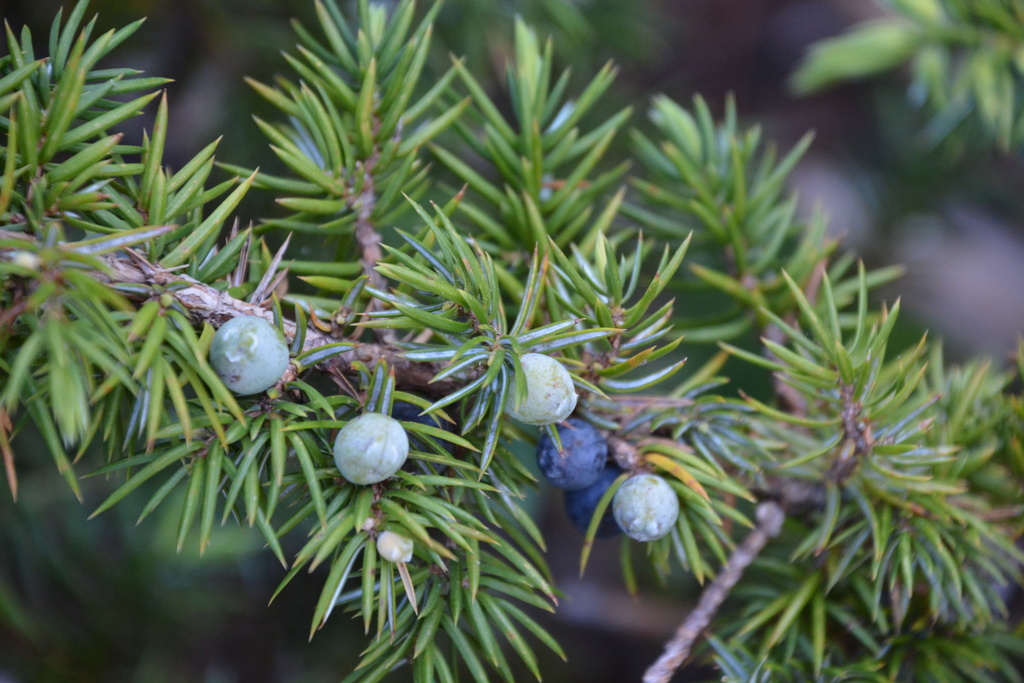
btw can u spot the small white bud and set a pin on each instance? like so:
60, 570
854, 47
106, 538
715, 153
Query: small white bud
26, 259
394, 547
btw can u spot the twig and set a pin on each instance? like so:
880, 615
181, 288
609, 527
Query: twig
369, 239
857, 442
366, 234
790, 400
8, 453
769, 522
856, 430
207, 304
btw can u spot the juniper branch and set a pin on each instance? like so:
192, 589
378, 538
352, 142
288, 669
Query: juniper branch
366, 234
368, 237
209, 304
857, 442
769, 522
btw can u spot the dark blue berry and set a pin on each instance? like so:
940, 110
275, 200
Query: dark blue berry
583, 457
409, 412
580, 505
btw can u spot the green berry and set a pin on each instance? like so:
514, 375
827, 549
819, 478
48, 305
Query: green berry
394, 547
646, 507
249, 354
370, 448
550, 396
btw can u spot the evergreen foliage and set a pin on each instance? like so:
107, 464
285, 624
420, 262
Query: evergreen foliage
965, 58
428, 237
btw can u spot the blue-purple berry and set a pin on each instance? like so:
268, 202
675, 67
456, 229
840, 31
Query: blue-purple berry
581, 504
410, 412
582, 459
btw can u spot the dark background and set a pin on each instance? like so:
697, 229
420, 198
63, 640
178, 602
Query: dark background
105, 600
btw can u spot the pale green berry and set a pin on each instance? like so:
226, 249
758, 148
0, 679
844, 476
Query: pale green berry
550, 396
370, 448
394, 547
646, 507
249, 354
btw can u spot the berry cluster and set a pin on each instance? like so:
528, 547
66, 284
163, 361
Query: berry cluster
644, 507
251, 355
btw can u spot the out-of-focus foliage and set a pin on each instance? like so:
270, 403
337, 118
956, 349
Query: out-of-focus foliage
967, 61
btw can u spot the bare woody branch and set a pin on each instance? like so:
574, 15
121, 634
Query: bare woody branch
769, 522
208, 304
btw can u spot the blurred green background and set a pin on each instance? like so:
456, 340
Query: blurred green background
106, 600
